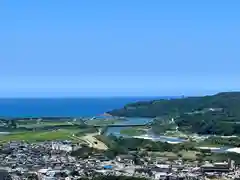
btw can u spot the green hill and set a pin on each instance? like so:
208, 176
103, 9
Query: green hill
217, 114
228, 101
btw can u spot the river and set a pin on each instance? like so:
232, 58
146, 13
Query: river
116, 131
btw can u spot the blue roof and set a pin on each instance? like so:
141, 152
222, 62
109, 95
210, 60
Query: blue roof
107, 167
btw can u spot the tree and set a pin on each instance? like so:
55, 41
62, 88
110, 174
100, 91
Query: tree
74, 173
33, 177
12, 124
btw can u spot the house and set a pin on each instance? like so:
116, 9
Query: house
62, 147
160, 175
129, 159
161, 168
4, 175
13, 145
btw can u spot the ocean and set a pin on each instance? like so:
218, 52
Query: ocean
63, 107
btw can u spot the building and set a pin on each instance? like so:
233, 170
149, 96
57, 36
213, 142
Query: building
129, 159
160, 176
4, 175
64, 147
220, 167
162, 168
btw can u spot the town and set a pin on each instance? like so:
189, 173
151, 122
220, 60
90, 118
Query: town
119, 90
71, 148
56, 160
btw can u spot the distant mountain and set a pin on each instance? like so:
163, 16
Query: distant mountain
228, 101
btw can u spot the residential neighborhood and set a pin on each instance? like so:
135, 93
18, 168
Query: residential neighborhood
53, 160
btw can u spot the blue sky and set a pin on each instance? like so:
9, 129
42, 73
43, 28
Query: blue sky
119, 48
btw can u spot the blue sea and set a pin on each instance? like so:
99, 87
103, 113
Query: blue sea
64, 107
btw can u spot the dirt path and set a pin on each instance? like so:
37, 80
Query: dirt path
93, 142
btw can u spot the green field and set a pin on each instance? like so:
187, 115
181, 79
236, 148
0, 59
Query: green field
37, 136
176, 134
104, 122
167, 155
186, 155
32, 130
44, 124
31, 136
133, 131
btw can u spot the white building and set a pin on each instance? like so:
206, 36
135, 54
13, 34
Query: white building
62, 147
160, 175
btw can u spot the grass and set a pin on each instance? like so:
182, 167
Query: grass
32, 136
187, 155
169, 155
45, 124
208, 144
133, 131
99, 122
32, 130
217, 144
37, 136
176, 134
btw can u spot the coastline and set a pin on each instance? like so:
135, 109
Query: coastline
106, 114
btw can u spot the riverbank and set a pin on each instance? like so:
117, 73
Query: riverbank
167, 139
235, 150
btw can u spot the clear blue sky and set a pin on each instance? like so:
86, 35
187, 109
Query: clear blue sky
119, 48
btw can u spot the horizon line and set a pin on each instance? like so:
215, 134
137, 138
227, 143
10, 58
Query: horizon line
82, 97
114, 96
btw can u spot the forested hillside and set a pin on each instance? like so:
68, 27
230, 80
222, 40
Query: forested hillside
217, 114
228, 101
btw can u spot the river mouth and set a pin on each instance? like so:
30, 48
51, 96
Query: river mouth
149, 135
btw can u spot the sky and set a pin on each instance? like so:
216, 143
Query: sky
118, 48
